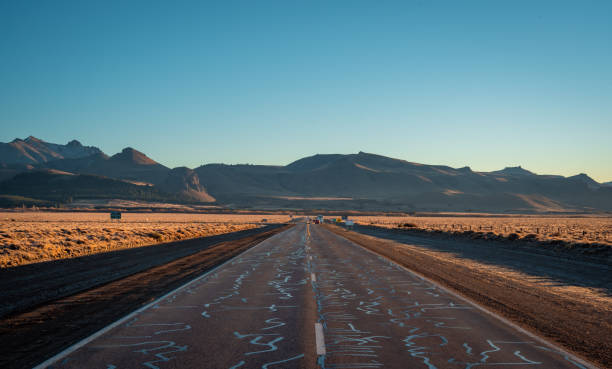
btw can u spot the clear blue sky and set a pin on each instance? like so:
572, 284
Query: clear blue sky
481, 83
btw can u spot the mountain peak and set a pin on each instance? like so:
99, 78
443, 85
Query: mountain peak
517, 171
33, 139
313, 162
132, 155
33, 150
584, 178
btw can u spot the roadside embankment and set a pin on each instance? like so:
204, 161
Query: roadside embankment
586, 237
567, 301
43, 237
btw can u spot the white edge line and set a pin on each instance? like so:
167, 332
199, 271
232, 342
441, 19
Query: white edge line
320, 339
482, 308
104, 330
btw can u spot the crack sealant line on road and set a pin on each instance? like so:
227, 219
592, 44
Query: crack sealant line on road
85, 341
479, 307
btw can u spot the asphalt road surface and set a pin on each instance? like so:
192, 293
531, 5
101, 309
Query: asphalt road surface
307, 298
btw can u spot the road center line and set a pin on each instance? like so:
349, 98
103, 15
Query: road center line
320, 339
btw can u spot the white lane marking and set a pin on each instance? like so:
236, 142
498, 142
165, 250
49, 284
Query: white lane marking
104, 330
320, 339
481, 308
313, 277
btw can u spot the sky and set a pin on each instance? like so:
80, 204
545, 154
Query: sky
487, 84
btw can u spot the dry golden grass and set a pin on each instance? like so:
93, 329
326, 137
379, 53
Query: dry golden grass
29, 237
569, 229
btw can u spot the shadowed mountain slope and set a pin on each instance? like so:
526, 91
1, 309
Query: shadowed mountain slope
35, 151
396, 184
129, 164
53, 185
186, 182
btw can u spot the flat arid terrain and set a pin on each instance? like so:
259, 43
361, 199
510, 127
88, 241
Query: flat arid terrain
585, 229
30, 237
514, 279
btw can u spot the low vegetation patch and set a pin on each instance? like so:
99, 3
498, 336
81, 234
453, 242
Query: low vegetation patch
592, 230
30, 237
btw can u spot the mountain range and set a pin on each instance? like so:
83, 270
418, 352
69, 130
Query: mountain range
35, 169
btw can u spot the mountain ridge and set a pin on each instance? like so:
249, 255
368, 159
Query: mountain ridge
361, 180
36, 151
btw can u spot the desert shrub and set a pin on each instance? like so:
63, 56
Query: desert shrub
407, 225
477, 235
155, 235
513, 236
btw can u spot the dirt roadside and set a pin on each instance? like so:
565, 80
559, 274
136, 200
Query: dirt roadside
576, 317
30, 337
24, 287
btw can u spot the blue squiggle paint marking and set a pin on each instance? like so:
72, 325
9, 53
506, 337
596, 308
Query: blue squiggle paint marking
484, 353
265, 366
518, 353
566, 357
275, 321
240, 336
468, 349
270, 344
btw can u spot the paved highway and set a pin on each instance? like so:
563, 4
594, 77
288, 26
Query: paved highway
307, 298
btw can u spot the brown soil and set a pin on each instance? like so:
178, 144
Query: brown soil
575, 317
590, 236
32, 237
30, 337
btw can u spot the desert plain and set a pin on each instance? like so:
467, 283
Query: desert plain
581, 229
30, 237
